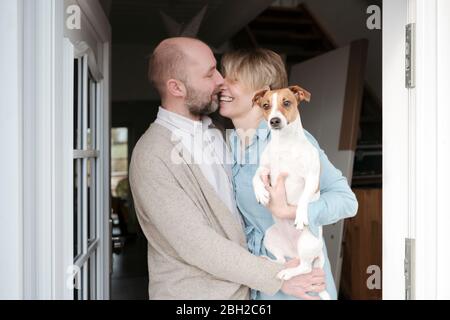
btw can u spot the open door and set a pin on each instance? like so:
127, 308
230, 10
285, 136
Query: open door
336, 82
416, 139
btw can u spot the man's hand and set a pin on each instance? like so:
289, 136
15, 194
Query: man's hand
278, 202
299, 286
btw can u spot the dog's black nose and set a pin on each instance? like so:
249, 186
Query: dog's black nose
275, 122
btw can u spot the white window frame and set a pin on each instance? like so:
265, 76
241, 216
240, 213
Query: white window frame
416, 149
48, 147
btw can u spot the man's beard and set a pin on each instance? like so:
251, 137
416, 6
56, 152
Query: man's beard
200, 104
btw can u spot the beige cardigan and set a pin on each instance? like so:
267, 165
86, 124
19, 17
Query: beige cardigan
196, 247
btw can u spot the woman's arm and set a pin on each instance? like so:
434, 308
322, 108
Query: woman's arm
337, 201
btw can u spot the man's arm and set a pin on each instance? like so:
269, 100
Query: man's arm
169, 209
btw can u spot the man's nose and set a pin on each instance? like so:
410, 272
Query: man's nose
219, 79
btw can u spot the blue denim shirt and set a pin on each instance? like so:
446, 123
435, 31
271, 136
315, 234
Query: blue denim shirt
337, 201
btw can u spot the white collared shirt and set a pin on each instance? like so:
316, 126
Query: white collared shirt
207, 149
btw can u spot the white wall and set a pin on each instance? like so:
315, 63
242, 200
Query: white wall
11, 163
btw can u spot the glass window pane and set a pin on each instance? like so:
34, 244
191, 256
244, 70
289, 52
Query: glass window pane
75, 103
78, 104
91, 110
92, 286
88, 283
89, 101
94, 115
77, 206
91, 201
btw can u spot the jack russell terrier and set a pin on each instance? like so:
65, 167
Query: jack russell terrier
290, 151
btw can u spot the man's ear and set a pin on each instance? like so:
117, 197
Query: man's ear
300, 93
258, 95
176, 88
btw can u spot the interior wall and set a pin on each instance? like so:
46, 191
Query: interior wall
345, 21
129, 69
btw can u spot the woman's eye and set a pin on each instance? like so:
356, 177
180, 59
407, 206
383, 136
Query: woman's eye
287, 103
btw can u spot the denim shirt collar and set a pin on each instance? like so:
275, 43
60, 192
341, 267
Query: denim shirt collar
262, 134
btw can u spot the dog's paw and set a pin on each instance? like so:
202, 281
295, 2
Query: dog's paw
301, 218
261, 193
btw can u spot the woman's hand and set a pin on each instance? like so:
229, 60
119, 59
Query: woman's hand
300, 285
278, 202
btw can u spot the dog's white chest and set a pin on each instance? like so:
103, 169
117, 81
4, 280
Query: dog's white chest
297, 158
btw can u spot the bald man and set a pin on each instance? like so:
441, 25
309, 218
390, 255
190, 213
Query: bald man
180, 180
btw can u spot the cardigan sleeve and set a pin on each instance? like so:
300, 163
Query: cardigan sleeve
337, 201
165, 205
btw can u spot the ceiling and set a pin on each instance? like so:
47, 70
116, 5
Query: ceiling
140, 21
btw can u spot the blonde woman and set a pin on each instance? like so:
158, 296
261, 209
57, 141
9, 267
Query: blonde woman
245, 73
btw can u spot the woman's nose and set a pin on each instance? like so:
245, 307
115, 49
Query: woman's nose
224, 84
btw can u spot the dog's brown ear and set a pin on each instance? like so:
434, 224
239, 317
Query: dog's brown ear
258, 96
300, 93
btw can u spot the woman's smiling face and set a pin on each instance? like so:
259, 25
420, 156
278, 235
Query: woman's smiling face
235, 99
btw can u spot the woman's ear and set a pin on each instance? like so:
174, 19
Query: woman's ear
176, 88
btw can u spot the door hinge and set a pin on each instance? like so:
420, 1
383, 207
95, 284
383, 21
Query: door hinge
410, 56
409, 268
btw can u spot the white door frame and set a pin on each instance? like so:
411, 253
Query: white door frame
416, 143
432, 139
11, 128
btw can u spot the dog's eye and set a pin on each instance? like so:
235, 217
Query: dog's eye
266, 106
287, 103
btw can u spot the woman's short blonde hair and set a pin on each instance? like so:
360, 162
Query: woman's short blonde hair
255, 68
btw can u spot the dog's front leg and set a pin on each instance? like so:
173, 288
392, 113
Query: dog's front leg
261, 193
301, 215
